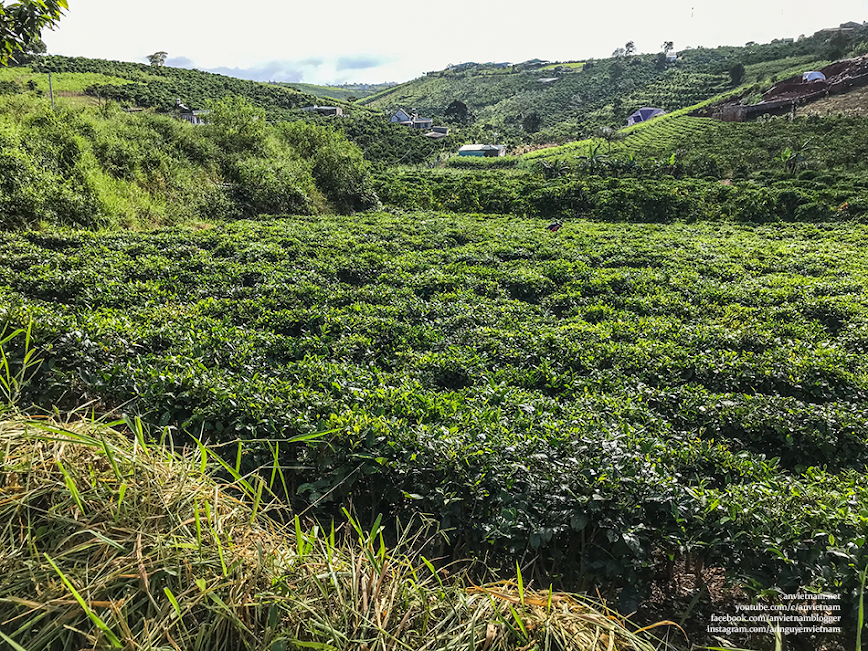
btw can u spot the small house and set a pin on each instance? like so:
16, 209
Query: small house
437, 132
189, 115
644, 114
411, 120
487, 151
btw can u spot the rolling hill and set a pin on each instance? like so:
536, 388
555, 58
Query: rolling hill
567, 102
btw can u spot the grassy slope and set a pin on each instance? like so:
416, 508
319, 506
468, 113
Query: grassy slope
64, 81
70, 166
155, 87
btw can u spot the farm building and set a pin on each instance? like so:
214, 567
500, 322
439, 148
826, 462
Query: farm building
488, 151
411, 120
437, 132
336, 111
189, 115
644, 114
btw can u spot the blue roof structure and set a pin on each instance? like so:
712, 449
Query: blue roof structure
643, 114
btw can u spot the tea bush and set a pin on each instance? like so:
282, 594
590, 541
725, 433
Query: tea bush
628, 199
600, 398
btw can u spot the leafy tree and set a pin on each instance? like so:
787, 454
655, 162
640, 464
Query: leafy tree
158, 59
457, 111
531, 122
238, 125
736, 73
667, 47
22, 22
836, 46
630, 48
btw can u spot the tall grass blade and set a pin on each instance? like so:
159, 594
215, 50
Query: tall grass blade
173, 601
101, 625
70, 485
12, 643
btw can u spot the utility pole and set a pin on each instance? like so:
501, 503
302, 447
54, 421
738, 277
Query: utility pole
50, 91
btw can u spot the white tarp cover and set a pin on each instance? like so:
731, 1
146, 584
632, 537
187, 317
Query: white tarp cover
813, 75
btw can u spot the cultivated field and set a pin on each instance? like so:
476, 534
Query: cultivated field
595, 398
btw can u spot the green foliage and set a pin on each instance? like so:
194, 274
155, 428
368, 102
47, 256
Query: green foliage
736, 73
160, 87
21, 23
595, 185
600, 396
73, 167
458, 112
238, 126
339, 169
158, 59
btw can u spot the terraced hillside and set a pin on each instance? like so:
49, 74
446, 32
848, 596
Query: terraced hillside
567, 102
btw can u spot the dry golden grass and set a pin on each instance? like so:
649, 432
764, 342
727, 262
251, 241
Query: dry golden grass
108, 540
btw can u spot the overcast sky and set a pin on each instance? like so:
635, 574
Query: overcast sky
340, 41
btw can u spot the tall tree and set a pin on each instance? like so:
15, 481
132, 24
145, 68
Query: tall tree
667, 47
158, 59
736, 73
458, 112
630, 48
531, 122
22, 22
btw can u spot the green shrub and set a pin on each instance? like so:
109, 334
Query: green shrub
272, 187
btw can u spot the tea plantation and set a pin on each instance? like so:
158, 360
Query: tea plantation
599, 398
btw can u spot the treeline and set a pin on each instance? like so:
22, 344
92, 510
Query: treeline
160, 87
75, 167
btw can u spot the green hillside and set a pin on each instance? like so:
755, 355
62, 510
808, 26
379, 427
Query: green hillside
94, 82
136, 84
550, 104
79, 167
